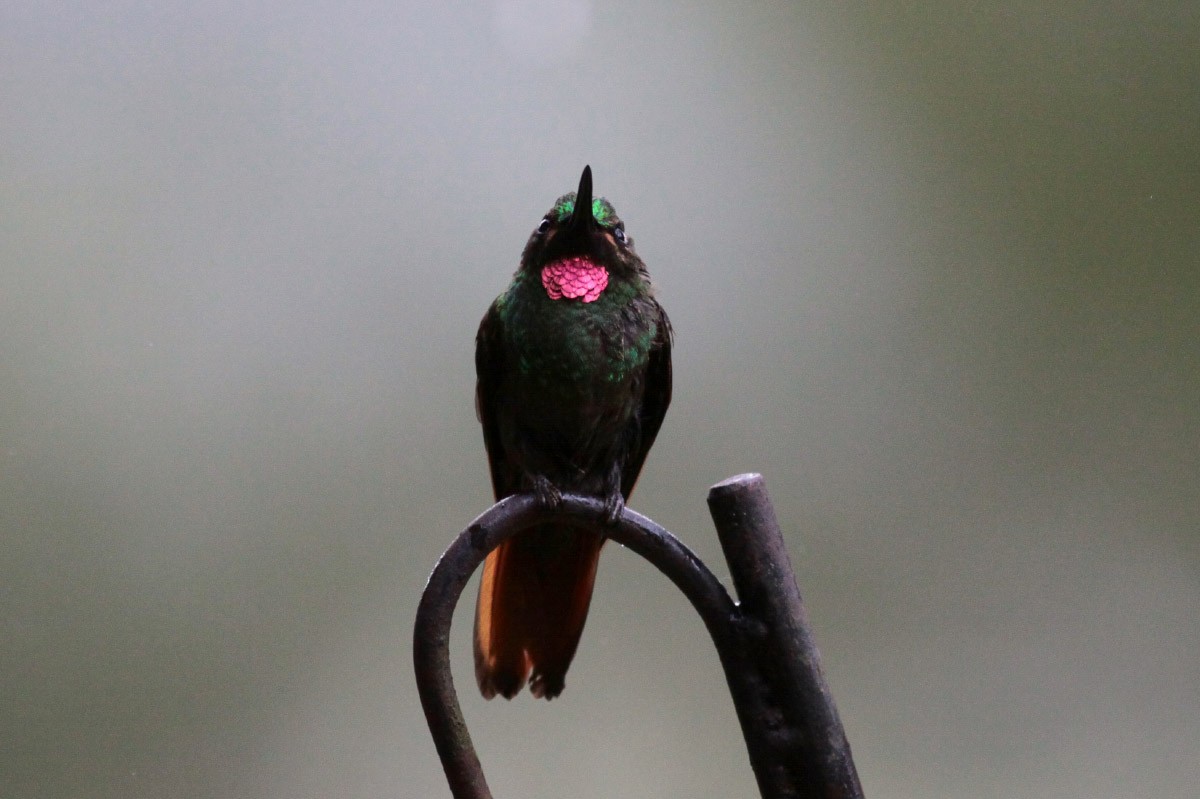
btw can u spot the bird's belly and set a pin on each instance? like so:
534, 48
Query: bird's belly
570, 431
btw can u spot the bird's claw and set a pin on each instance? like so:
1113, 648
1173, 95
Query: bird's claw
614, 506
547, 493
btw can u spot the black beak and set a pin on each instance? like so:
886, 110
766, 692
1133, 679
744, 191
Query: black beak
581, 217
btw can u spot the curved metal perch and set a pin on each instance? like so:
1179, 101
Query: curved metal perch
796, 743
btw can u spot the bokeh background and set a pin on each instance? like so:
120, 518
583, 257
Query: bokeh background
934, 271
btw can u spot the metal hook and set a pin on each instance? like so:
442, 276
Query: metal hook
795, 739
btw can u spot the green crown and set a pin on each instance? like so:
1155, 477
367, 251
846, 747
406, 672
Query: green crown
602, 210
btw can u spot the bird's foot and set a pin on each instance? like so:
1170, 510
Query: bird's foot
614, 506
547, 493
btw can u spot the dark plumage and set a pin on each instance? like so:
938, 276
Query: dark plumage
574, 377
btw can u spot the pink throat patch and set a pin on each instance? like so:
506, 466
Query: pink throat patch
574, 278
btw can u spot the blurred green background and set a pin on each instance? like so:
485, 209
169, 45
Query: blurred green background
935, 272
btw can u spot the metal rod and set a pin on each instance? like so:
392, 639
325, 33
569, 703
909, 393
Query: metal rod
431, 655
776, 754
808, 742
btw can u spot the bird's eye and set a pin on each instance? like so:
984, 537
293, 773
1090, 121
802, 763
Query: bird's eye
619, 234
543, 226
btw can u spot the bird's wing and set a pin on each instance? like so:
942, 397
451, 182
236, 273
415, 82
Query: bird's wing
490, 366
656, 396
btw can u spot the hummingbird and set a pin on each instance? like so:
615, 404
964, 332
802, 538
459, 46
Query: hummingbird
573, 367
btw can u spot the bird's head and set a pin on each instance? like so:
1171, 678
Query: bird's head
580, 245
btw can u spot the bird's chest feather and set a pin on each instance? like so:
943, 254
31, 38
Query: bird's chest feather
574, 358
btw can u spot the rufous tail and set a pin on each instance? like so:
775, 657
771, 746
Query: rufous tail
533, 601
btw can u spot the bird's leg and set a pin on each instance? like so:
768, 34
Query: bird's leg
614, 501
547, 493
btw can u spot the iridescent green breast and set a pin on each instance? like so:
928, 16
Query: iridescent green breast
569, 346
